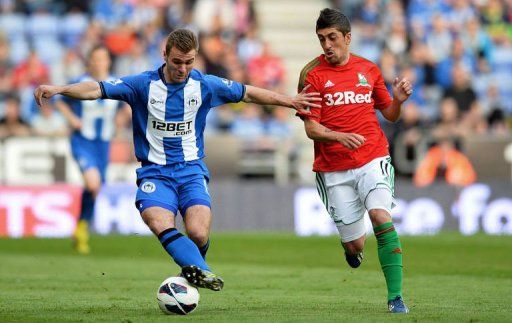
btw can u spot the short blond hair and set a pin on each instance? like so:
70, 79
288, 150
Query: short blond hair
183, 39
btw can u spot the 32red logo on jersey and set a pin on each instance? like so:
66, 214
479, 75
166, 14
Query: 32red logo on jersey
347, 97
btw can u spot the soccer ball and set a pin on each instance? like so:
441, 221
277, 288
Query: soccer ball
176, 296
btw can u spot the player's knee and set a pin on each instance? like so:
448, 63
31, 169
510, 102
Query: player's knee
379, 216
93, 188
199, 235
354, 247
157, 220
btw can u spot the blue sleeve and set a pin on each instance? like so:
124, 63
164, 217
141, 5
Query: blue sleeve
224, 91
124, 89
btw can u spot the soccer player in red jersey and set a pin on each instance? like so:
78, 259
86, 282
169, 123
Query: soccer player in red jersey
352, 163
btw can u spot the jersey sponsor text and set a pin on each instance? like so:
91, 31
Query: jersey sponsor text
347, 97
172, 128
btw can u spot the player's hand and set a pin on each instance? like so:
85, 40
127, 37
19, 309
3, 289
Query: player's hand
44, 92
351, 140
303, 101
402, 89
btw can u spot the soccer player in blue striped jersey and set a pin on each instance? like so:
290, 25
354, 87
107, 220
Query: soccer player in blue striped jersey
92, 124
169, 108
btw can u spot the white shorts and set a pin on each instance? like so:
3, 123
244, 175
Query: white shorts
348, 194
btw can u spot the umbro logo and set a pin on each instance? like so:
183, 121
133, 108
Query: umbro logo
153, 101
328, 84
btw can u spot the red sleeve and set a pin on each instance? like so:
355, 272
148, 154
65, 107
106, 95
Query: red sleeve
380, 93
315, 112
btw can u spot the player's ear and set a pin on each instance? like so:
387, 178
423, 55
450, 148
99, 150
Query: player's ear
348, 38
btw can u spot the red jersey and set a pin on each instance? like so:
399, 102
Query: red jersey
350, 93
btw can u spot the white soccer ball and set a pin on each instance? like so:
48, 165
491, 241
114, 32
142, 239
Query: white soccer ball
177, 296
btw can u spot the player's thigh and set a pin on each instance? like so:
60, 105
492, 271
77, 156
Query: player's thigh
156, 192
158, 219
340, 197
353, 236
193, 191
376, 184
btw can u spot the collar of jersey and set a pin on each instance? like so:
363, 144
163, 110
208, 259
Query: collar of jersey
162, 77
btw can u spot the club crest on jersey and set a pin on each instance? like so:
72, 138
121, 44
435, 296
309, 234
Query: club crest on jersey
148, 187
227, 82
193, 102
362, 81
115, 82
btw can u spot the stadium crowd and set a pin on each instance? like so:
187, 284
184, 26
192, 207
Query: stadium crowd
457, 53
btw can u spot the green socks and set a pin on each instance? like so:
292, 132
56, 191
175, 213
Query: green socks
390, 257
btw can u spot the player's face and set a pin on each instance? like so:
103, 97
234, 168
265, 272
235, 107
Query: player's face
334, 44
179, 64
99, 62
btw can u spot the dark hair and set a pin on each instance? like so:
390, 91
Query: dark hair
183, 39
333, 18
98, 47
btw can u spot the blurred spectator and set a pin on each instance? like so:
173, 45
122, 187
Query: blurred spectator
439, 40
245, 16
407, 134
213, 53
444, 160
120, 39
12, 124
111, 13
475, 39
460, 57
250, 45
494, 18
76, 22
248, 125
90, 39
70, 67
214, 16
460, 14
6, 68
134, 62
267, 70
279, 126
30, 73
396, 40
48, 123
449, 123
26, 76
461, 90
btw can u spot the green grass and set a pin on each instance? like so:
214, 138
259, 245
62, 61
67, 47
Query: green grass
269, 277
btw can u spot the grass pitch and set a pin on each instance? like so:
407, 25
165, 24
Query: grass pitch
269, 278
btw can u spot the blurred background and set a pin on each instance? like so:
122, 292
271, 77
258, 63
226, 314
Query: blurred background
452, 148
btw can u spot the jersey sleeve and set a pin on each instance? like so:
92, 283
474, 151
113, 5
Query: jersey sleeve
307, 79
380, 94
123, 89
224, 90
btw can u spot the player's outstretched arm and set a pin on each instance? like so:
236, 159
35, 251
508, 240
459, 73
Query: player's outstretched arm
402, 90
301, 102
319, 132
89, 90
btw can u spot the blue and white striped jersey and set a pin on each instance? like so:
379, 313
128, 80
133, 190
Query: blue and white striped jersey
97, 116
169, 119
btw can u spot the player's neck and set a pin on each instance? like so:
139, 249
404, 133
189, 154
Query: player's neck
344, 60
